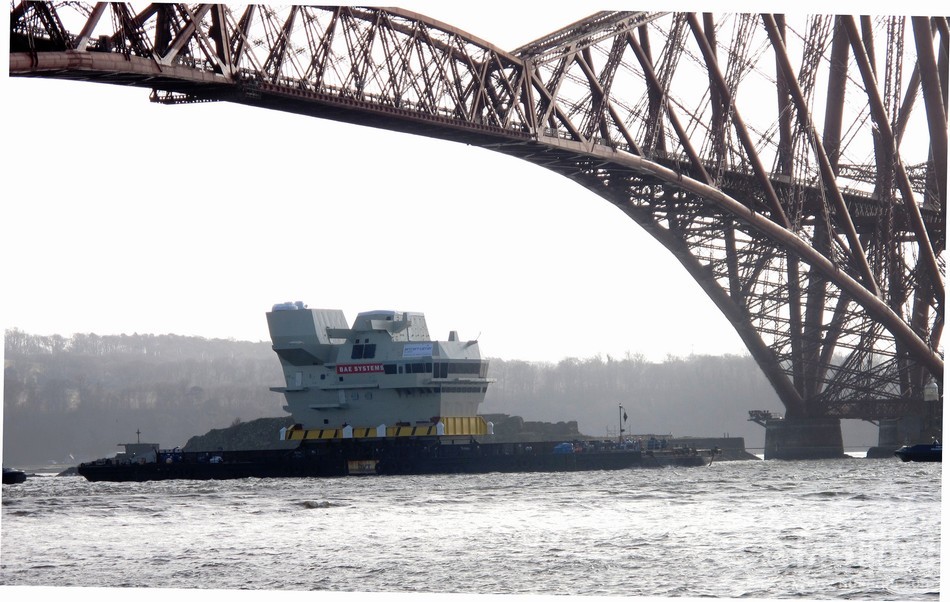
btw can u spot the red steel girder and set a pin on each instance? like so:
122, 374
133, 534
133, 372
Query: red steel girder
462, 88
881, 121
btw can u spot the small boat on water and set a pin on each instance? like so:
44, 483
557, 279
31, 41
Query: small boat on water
12, 476
922, 452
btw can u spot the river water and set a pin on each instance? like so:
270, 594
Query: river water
834, 529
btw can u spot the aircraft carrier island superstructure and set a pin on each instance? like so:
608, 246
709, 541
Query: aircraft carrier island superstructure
383, 376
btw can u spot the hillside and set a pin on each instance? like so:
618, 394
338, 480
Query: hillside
79, 397
74, 399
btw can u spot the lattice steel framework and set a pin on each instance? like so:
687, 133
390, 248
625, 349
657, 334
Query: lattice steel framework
797, 168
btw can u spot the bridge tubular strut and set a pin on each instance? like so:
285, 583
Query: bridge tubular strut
925, 248
933, 96
778, 213
881, 311
827, 174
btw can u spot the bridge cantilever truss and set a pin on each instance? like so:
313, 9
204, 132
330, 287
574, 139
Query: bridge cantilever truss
797, 168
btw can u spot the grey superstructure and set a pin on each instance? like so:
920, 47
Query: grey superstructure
383, 372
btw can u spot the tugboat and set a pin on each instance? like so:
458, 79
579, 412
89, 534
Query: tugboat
922, 452
377, 398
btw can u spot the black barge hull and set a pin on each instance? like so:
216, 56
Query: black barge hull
387, 457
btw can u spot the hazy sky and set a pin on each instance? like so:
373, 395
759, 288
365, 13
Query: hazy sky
124, 216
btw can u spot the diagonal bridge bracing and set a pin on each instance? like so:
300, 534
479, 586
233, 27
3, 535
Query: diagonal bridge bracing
797, 168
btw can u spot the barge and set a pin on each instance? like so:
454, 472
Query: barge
379, 398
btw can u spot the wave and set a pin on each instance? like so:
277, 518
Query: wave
312, 504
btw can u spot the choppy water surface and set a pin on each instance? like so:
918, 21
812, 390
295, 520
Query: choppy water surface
865, 529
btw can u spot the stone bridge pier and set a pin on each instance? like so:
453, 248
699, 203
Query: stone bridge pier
821, 438
803, 438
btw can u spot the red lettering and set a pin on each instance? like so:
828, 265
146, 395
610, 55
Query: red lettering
358, 368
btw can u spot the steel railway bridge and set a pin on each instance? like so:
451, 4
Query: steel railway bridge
796, 167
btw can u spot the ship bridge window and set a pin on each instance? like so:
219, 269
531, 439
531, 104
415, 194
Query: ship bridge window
363, 351
443, 369
418, 368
